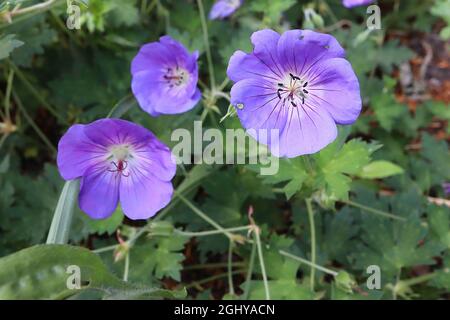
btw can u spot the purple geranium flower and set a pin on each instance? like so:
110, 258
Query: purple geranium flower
355, 3
298, 83
165, 77
117, 159
224, 8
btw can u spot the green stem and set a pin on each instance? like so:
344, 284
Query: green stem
373, 210
419, 279
105, 249
121, 107
36, 7
35, 93
261, 263
206, 41
126, 268
397, 280
222, 95
308, 163
203, 215
3, 139
150, 7
184, 187
230, 269
223, 84
143, 5
313, 240
210, 232
212, 278
8, 94
27, 13
213, 265
309, 263
33, 124
250, 271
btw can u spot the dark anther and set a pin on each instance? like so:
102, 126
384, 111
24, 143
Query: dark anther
293, 103
280, 84
303, 100
279, 93
305, 91
120, 167
294, 77
305, 84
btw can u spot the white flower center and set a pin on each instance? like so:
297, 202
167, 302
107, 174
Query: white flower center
120, 152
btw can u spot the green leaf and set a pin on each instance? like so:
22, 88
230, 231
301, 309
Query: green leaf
393, 245
124, 13
41, 272
291, 174
441, 8
387, 110
285, 286
439, 220
160, 256
108, 225
281, 290
272, 9
62, 218
35, 34
380, 169
122, 107
442, 279
7, 45
393, 54
336, 164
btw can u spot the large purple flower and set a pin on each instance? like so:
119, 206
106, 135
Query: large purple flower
165, 77
117, 159
298, 83
224, 8
355, 3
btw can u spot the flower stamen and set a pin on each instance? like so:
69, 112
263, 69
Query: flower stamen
175, 77
121, 165
295, 89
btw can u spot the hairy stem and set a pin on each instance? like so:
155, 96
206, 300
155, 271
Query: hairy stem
206, 41
373, 210
250, 271
313, 240
230, 268
202, 215
261, 263
210, 232
36, 93
126, 268
33, 124
309, 263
